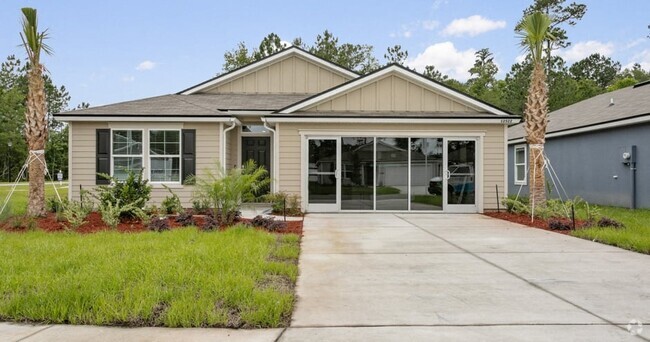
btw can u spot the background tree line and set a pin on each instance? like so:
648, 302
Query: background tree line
567, 84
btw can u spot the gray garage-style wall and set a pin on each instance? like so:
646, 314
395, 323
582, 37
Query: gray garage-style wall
590, 165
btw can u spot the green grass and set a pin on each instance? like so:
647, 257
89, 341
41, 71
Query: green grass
18, 201
180, 278
428, 199
366, 190
634, 236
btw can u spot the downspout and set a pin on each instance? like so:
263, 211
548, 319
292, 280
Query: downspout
633, 169
233, 122
274, 167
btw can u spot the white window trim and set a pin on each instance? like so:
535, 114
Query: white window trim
149, 156
525, 165
113, 155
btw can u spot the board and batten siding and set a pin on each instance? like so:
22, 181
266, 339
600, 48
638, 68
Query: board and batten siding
83, 146
292, 75
391, 93
492, 144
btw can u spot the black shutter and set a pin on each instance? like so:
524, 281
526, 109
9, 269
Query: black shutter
188, 144
103, 155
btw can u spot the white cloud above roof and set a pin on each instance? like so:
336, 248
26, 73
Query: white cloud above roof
580, 50
446, 58
146, 65
642, 58
472, 26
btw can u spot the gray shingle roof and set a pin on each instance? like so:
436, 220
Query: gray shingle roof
628, 102
190, 105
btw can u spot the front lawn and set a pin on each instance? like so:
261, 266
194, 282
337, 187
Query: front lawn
240, 277
634, 236
18, 202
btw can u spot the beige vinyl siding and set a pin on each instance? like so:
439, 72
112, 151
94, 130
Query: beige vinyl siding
83, 147
232, 150
291, 75
493, 147
391, 94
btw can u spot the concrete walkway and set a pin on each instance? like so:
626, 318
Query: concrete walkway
415, 277
462, 277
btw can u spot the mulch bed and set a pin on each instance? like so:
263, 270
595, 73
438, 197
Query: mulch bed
536, 223
94, 224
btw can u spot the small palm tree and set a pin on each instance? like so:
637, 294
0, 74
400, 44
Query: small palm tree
35, 112
534, 31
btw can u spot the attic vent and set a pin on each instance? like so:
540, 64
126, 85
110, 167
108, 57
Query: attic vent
611, 101
641, 84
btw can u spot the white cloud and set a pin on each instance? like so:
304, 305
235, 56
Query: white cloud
285, 44
642, 58
520, 58
407, 30
446, 58
146, 65
472, 26
128, 78
580, 50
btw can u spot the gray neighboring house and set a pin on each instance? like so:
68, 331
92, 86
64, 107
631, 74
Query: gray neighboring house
593, 145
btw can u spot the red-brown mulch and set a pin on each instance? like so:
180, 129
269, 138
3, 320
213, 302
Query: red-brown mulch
94, 224
536, 223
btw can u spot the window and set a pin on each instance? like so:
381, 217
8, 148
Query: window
165, 156
520, 165
127, 152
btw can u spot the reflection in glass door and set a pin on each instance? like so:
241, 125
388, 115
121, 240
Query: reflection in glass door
322, 175
427, 179
461, 175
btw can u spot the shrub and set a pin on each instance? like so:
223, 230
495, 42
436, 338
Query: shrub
515, 206
134, 190
158, 224
556, 224
210, 223
75, 213
171, 204
278, 201
268, 223
53, 204
226, 190
200, 206
609, 222
111, 213
185, 218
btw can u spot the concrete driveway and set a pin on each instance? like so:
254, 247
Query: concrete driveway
462, 277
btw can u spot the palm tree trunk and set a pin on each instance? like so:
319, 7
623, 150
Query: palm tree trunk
536, 121
36, 135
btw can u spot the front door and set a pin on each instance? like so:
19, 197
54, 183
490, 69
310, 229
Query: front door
257, 149
461, 175
323, 175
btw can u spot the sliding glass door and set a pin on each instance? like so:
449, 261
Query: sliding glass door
427, 176
357, 173
322, 176
461, 175
392, 173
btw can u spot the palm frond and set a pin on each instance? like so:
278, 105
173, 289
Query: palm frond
33, 41
533, 32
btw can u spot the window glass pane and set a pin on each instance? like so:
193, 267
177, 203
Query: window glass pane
157, 148
461, 184
127, 142
121, 166
520, 156
392, 173
156, 136
164, 142
165, 169
172, 148
357, 173
520, 173
426, 173
254, 129
322, 164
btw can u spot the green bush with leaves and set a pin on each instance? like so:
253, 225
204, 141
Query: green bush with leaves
111, 213
515, 205
134, 191
225, 191
284, 203
172, 203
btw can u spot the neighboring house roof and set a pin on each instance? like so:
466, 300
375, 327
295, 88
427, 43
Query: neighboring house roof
617, 108
402, 72
293, 50
190, 105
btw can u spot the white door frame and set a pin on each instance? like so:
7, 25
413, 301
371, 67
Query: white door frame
478, 176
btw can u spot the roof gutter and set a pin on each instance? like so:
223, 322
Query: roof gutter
508, 120
141, 118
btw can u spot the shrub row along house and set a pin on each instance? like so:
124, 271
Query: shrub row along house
599, 148
390, 140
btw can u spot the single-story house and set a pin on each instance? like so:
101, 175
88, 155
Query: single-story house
599, 148
390, 140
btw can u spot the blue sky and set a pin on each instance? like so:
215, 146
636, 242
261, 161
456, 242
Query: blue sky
113, 51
